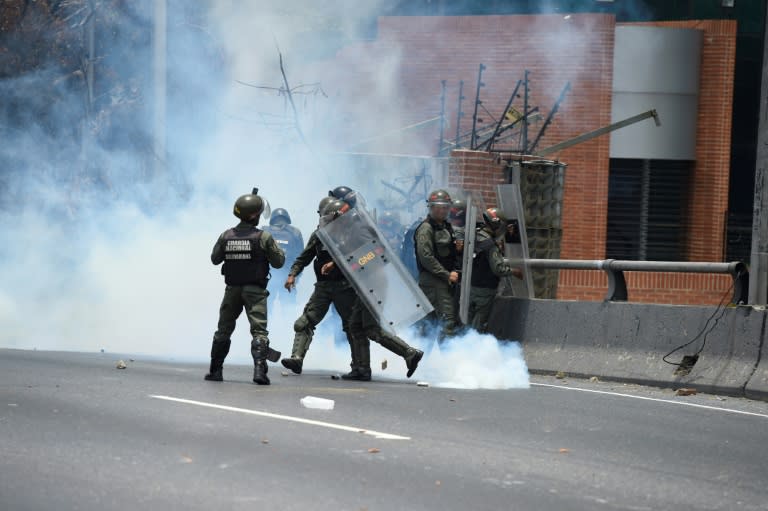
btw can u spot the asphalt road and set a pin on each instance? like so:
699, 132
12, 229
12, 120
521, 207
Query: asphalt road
78, 433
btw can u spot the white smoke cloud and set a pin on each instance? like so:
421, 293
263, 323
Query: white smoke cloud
123, 266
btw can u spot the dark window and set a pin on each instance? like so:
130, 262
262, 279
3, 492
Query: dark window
647, 209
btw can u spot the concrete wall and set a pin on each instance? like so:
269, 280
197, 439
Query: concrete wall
628, 341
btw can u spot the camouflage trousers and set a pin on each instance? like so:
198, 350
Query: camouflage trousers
442, 298
337, 292
480, 304
364, 328
252, 299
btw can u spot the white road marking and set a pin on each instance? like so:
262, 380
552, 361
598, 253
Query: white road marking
370, 432
720, 409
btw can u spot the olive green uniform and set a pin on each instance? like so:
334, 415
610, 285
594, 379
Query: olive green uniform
364, 328
437, 258
333, 288
487, 269
251, 297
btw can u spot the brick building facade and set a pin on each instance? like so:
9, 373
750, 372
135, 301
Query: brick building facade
555, 50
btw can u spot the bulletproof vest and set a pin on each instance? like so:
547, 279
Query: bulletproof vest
244, 260
445, 248
322, 256
482, 276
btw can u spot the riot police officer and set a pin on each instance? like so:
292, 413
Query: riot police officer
363, 326
247, 253
331, 288
488, 267
438, 261
290, 240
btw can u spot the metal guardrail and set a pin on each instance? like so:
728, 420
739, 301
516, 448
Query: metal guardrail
617, 284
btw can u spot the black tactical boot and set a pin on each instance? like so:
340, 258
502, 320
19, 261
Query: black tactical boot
219, 351
260, 373
259, 351
358, 374
215, 375
293, 363
360, 347
412, 359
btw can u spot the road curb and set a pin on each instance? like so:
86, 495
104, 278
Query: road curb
628, 342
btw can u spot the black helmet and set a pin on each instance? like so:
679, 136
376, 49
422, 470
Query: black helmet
248, 208
323, 203
344, 193
277, 215
339, 192
336, 208
495, 219
439, 198
458, 210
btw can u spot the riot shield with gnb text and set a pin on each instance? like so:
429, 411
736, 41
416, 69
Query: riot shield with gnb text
374, 269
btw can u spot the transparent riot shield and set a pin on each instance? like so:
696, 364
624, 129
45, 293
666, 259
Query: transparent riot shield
511, 203
467, 257
374, 269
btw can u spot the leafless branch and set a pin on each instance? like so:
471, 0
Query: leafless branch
290, 96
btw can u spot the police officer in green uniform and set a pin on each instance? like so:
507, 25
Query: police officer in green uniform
363, 326
247, 253
488, 266
438, 261
331, 288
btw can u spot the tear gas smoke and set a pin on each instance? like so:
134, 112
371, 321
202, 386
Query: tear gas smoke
98, 251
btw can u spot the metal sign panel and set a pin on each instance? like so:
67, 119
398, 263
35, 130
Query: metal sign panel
374, 269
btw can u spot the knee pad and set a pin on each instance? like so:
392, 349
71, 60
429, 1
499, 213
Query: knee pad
301, 324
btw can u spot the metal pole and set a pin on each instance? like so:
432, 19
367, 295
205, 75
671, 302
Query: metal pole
758, 260
160, 85
473, 138
551, 115
459, 113
600, 131
525, 115
503, 115
442, 117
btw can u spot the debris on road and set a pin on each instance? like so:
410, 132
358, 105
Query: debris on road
373, 450
422, 384
560, 375
318, 403
383, 364
686, 392
594, 379
121, 364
